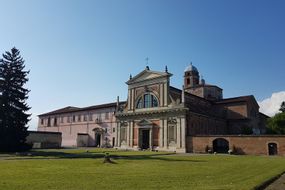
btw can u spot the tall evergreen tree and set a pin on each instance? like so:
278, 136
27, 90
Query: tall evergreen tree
13, 106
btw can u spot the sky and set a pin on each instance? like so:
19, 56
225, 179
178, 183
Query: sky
81, 52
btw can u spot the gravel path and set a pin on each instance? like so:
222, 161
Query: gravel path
279, 184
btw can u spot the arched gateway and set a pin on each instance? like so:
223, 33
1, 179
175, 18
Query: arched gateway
221, 145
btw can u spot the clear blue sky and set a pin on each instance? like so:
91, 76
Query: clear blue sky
81, 53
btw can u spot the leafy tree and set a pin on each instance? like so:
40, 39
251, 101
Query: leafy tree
276, 124
282, 107
13, 106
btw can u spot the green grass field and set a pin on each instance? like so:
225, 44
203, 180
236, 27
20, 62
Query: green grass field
78, 169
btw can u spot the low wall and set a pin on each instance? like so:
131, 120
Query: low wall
41, 139
242, 144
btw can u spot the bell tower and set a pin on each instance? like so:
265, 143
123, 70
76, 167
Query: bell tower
191, 77
197, 87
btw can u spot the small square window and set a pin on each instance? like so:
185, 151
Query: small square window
68, 119
90, 117
48, 123
55, 121
106, 116
84, 117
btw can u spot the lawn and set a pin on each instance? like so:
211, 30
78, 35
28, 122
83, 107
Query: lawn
84, 169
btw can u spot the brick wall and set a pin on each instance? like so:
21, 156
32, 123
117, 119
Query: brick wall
245, 144
44, 139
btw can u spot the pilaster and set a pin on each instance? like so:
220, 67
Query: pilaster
131, 133
161, 131
165, 135
150, 139
129, 99
128, 134
178, 138
119, 134
183, 132
165, 95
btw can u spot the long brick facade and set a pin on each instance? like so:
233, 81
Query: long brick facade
239, 144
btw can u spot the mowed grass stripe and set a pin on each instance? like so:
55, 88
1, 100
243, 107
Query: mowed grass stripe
149, 172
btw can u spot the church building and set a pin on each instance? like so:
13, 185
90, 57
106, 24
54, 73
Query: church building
157, 116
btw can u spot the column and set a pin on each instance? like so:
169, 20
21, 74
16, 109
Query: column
183, 132
165, 135
150, 139
129, 99
133, 99
161, 133
119, 134
165, 94
131, 133
128, 134
183, 95
178, 136
161, 95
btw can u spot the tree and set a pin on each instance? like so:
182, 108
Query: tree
276, 124
282, 107
13, 106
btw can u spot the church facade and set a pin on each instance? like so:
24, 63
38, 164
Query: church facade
158, 116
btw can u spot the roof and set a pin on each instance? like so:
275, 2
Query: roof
71, 109
191, 68
189, 94
148, 75
264, 115
237, 99
211, 85
62, 110
234, 99
205, 85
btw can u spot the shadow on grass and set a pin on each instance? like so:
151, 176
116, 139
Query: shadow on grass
154, 157
42, 155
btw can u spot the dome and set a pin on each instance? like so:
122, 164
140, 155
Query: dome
190, 68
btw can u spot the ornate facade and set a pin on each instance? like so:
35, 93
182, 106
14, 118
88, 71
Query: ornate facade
157, 116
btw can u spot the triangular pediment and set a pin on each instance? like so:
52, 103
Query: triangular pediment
145, 122
147, 75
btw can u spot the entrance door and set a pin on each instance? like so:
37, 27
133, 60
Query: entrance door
220, 145
97, 140
113, 142
145, 139
272, 149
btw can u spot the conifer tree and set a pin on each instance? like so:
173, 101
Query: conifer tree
13, 106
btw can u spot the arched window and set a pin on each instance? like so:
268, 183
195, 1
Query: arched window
147, 101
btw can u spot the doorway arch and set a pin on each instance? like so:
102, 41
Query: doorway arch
97, 140
221, 145
272, 149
